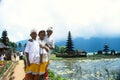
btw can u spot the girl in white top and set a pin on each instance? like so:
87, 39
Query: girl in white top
43, 47
43, 50
43, 54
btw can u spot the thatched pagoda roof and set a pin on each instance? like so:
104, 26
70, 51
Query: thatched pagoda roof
3, 46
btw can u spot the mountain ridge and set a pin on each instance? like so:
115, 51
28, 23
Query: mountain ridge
90, 45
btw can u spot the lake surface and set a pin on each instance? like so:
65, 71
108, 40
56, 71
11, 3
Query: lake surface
105, 69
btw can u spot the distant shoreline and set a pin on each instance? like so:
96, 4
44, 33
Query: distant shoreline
89, 57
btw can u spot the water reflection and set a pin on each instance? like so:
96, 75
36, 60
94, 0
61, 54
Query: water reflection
87, 69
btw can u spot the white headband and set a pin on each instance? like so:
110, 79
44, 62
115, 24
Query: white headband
33, 30
50, 29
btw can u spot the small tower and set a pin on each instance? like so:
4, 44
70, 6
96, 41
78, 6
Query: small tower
69, 44
106, 49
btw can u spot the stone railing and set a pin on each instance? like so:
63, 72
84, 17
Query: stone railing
7, 75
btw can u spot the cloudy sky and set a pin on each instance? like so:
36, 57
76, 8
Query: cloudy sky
84, 18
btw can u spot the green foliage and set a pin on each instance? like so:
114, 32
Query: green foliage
56, 49
12, 46
56, 53
0, 40
4, 33
25, 45
19, 45
4, 69
6, 41
62, 49
4, 38
52, 76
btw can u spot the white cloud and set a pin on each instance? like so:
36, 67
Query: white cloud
84, 18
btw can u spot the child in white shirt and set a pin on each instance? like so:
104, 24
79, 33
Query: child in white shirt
33, 58
43, 53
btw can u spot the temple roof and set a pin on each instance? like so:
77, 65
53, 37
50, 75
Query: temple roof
3, 46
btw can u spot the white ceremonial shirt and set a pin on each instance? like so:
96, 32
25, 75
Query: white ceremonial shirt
43, 51
43, 43
49, 41
32, 48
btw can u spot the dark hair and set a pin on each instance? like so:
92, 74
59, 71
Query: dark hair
49, 31
42, 31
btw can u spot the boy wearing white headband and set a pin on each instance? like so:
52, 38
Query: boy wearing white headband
33, 57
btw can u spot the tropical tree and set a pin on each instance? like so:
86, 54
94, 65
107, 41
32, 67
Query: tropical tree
56, 49
25, 45
19, 45
4, 38
13, 46
0, 39
62, 49
69, 44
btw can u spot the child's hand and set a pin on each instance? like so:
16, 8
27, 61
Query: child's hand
41, 46
28, 63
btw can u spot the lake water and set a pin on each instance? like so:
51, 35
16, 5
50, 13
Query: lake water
105, 69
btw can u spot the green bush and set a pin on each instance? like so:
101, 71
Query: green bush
56, 53
4, 69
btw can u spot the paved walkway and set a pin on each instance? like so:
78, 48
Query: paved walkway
19, 71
